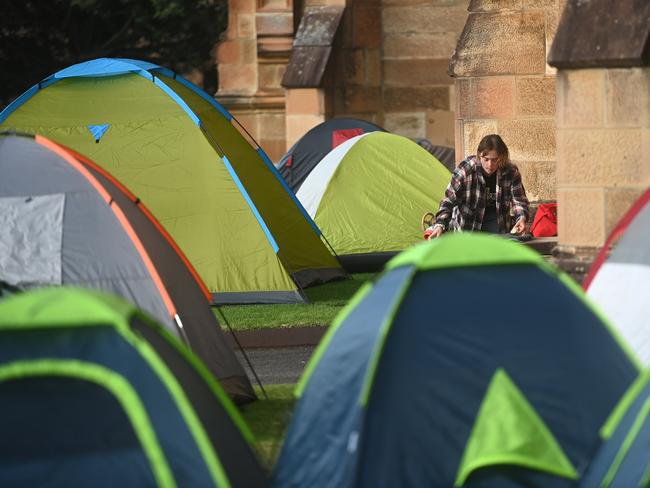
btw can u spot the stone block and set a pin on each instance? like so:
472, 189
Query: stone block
416, 72
298, 125
305, 101
536, 96
552, 21
248, 121
273, 5
229, 52
627, 97
474, 131
452, 97
437, 45
406, 124
405, 99
423, 18
529, 139
440, 127
644, 171
463, 105
362, 99
580, 98
355, 66
242, 6
434, 3
617, 202
275, 24
580, 216
493, 97
501, 44
373, 67
538, 179
603, 157
246, 26
274, 148
237, 78
367, 26
494, 5
459, 140
540, 4
272, 125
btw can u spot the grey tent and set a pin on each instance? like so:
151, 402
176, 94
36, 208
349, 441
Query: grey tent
65, 222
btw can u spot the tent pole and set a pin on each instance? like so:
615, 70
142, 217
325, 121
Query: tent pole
248, 361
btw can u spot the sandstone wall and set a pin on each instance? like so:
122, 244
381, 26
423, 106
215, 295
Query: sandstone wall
251, 60
603, 142
503, 85
418, 38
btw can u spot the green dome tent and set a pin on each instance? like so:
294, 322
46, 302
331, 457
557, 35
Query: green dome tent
441, 374
94, 393
178, 150
369, 193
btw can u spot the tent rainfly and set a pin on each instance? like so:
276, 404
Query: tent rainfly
178, 150
419, 383
66, 222
311, 148
95, 393
614, 280
369, 193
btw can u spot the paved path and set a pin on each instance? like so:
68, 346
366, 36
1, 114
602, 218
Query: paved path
278, 365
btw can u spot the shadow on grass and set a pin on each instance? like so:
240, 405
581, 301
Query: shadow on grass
268, 420
325, 302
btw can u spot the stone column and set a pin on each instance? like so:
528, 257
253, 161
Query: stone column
252, 59
419, 37
603, 143
603, 122
504, 86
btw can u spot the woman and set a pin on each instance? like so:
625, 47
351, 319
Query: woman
483, 192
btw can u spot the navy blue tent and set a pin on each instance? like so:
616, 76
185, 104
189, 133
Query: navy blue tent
624, 459
469, 362
305, 154
94, 393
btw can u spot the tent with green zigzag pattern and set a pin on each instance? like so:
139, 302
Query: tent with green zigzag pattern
95, 393
440, 373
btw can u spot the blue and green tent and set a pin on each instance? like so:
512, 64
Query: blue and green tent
187, 158
94, 393
469, 362
624, 458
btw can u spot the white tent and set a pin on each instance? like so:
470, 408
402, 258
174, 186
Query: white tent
617, 283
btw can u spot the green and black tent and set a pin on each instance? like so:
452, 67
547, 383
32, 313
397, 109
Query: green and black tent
181, 153
94, 393
469, 362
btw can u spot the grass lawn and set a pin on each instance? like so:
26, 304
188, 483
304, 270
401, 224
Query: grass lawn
326, 301
268, 420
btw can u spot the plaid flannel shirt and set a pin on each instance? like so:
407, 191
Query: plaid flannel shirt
463, 206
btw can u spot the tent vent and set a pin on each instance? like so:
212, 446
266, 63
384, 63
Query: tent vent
98, 130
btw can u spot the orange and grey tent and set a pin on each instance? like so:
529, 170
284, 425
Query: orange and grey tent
66, 222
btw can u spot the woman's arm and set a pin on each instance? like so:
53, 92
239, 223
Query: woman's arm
519, 199
453, 195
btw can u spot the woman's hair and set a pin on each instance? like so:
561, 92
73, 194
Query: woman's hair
494, 142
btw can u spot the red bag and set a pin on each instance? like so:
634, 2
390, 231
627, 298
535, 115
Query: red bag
545, 221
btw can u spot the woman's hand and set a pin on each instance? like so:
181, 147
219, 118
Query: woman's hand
519, 227
436, 231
